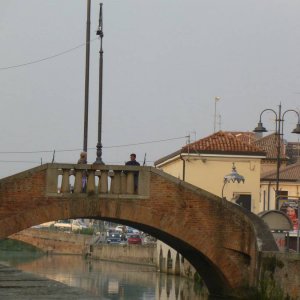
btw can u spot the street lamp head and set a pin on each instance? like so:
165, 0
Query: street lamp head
234, 176
297, 129
260, 128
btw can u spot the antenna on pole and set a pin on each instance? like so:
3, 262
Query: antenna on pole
100, 27
215, 113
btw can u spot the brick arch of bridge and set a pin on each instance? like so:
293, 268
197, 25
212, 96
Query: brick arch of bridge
218, 238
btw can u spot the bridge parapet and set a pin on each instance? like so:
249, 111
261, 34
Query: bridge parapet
102, 180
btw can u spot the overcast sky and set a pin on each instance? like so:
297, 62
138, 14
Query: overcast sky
165, 61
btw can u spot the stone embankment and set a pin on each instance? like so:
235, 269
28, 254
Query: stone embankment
145, 254
54, 242
79, 244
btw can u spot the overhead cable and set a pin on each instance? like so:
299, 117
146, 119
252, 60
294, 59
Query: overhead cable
45, 58
79, 149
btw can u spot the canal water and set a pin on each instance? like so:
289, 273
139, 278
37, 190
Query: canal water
108, 280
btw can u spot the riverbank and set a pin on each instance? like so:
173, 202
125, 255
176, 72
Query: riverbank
19, 285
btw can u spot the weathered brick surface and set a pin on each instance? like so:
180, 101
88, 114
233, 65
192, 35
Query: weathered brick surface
285, 270
218, 238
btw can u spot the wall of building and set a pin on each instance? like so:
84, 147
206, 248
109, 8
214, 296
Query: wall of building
268, 192
207, 172
174, 168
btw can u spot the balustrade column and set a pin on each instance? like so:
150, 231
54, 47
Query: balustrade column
103, 182
91, 187
130, 183
123, 183
65, 184
116, 182
78, 181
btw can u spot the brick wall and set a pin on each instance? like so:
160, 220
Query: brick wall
219, 238
284, 269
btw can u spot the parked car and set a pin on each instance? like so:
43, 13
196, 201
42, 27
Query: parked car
134, 239
113, 238
120, 228
131, 230
69, 225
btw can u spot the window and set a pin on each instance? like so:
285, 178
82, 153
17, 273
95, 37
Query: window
244, 201
282, 197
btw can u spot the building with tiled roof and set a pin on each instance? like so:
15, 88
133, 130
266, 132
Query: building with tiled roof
223, 142
269, 144
289, 186
293, 152
205, 162
288, 173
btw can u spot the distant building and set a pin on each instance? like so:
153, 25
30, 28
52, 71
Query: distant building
205, 162
289, 186
269, 144
293, 152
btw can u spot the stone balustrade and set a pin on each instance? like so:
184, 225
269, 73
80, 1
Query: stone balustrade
101, 179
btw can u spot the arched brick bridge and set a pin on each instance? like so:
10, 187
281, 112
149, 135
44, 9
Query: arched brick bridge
219, 238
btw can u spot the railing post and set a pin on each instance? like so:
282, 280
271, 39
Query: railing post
65, 184
116, 183
78, 181
130, 183
103, 182
111, 174
123, 183
52, 180
91, 182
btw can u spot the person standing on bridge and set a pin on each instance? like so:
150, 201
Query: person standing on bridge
133, 162
82, 161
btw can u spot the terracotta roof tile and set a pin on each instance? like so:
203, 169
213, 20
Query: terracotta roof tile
222, 142
288, 173
269, 145
247, 137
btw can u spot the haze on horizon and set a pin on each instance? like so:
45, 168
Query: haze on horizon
164, 64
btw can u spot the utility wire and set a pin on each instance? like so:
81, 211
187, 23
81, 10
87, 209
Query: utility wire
79, 149
45, 58
143, 143
20, 161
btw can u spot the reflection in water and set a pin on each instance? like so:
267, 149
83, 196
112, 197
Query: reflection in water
108, 280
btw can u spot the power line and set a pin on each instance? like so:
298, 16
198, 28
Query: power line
45, 58
20, 161
143, 143
79, 149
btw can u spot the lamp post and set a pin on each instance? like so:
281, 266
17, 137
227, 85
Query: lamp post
279, 133
87, 76
234, 176
99, 144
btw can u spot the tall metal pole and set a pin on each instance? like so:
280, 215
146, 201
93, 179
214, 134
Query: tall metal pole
87, 76
278, 162
99, 144
279, 134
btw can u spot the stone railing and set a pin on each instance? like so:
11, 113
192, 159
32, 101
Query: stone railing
101, 179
